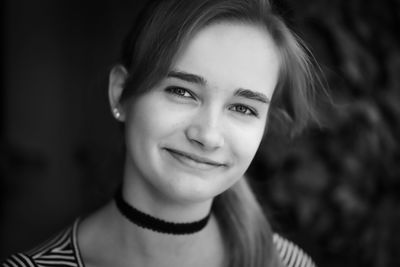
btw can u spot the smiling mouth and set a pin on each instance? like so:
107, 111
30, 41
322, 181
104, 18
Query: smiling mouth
194, 160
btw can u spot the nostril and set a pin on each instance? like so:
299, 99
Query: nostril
208, 138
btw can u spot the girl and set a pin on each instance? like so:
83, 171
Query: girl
197, 86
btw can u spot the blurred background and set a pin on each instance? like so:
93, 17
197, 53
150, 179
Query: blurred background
334, 190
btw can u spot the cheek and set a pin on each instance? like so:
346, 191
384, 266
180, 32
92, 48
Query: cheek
151, 119
245, 142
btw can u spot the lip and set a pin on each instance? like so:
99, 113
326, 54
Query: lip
197, 159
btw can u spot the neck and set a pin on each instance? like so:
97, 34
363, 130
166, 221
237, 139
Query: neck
146, 198
151, 248
155, 224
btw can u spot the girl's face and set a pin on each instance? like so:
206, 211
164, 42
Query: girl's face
194, 134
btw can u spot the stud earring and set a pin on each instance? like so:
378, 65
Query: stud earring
117, 114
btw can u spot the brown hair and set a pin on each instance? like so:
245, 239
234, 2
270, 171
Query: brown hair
159, 32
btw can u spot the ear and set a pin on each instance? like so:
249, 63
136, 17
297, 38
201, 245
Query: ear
117, 78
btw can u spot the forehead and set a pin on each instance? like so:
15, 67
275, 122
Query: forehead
232, 54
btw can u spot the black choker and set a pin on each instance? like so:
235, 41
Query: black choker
147, 221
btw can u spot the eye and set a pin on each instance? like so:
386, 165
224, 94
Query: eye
244, 110
179, 91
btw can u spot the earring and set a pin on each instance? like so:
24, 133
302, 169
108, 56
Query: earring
117, 114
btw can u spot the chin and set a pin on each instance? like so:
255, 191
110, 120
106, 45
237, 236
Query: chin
196, 189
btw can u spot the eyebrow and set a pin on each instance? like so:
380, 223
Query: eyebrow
188, 77
252, 95
192, 78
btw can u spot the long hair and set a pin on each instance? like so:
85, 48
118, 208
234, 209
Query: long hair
162, 28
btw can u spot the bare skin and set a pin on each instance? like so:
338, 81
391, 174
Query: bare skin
106, 238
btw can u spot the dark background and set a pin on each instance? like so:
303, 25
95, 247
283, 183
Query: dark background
335, 191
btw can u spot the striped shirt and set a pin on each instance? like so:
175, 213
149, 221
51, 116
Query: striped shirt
63, 251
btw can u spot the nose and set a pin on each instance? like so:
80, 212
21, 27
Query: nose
205, 131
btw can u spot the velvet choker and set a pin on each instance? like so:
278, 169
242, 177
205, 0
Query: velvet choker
158, 225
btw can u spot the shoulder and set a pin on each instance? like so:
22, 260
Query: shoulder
18, 260
59, 250
290, 254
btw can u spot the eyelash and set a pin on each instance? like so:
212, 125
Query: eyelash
248, 111
175, 91
180, 92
